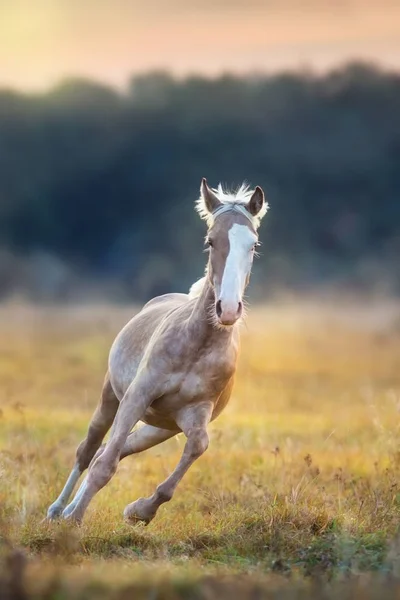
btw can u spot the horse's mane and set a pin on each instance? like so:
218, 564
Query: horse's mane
197, 288
240, 196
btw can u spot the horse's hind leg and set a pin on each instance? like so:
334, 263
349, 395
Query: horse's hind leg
99, 425
139, 440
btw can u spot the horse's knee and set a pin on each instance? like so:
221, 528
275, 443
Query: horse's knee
88, 447
98, 427
198, 441
102, 469
82, 455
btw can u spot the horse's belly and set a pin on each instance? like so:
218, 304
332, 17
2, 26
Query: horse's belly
159, 419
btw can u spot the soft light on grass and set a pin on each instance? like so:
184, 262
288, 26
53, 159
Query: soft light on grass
302, 471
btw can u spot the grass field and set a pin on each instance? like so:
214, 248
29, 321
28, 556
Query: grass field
298, 492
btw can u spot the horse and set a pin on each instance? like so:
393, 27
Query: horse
172, 366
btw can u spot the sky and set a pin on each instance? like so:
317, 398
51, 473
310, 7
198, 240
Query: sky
44, 41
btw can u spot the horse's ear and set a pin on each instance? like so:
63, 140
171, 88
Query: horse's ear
256, 202
210, 199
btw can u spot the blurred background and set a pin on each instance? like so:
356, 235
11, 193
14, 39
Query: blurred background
112, 111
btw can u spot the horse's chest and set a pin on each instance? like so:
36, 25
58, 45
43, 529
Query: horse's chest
206, 379
203, 380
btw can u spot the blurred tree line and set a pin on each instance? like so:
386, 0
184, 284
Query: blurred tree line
98, 185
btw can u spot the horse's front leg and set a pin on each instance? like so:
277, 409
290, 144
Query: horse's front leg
139, 440
136, 400
193, 421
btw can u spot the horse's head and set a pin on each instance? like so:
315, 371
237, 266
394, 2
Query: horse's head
233, 220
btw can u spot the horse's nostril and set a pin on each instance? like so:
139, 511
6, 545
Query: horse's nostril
240, 309
218, 308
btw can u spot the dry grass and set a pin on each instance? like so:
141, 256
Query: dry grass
300, 481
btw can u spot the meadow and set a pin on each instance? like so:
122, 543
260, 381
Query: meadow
297, 496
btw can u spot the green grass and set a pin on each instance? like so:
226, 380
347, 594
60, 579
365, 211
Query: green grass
300, 483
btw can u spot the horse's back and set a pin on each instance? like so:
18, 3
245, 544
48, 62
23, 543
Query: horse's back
130, 344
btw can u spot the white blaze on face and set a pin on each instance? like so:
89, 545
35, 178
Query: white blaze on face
237, 268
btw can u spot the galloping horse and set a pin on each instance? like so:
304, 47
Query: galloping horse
172, 366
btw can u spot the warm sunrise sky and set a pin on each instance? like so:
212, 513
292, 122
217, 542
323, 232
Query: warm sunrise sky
42, 41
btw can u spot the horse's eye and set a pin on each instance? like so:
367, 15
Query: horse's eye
209, 243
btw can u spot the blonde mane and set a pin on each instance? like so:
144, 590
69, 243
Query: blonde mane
241, 196
197, 288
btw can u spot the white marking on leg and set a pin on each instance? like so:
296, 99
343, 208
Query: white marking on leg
141, 439
71, 506
57, 507
137, 398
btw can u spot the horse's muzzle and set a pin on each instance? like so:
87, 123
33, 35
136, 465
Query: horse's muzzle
228, 312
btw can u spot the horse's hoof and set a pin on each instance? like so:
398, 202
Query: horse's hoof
74, 522
140, 511
54, 512
72, 517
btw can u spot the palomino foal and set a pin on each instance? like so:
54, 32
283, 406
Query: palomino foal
172, 366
